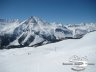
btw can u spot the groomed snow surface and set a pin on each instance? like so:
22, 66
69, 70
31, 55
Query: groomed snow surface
49, 58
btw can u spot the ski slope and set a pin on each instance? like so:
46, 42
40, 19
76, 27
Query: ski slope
49, 58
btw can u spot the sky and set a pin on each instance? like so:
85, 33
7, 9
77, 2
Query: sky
61, 11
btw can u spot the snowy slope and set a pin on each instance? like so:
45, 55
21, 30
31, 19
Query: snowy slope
8, 26
49, 58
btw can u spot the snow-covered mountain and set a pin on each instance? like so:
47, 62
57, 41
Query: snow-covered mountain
34, 32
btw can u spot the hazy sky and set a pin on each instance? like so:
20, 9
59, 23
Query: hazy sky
64, 11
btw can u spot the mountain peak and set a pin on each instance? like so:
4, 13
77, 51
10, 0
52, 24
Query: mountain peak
33, 19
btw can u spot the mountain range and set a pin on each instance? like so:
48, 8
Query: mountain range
36, 32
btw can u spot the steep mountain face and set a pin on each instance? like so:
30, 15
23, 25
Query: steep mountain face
35, 32
6, 32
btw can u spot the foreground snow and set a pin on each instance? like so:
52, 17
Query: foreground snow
49, 58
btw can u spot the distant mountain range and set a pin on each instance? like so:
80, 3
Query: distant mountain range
36, 32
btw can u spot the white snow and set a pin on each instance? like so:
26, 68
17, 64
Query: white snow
9, 27
49, 58
37, 39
